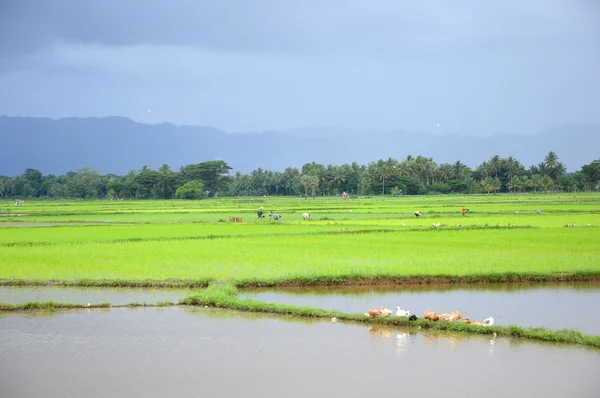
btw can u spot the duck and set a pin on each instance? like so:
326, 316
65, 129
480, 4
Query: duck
432, 316
384, 311
488, 321
404, 313
334, 319
373, 313
451, 316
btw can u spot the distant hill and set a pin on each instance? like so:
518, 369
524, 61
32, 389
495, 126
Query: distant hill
116, 145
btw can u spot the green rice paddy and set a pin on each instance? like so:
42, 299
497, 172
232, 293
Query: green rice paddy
364, 238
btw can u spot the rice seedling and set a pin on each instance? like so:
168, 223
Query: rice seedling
183, 243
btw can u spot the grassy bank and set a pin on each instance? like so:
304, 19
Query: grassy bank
225, 296
580, 276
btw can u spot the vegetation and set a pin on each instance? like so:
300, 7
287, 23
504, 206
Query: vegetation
375, 240
411, 176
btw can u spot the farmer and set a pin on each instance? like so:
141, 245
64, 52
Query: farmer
276, 217
462, 210
270, 214
260, 213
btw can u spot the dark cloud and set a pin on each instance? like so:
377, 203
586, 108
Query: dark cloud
472, 66
301, 26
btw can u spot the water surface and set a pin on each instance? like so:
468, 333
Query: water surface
93, 295
555, 306
158, 352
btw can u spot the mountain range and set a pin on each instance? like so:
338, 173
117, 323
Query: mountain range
117, 145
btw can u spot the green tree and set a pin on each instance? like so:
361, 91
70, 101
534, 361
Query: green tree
190, 190
491, 184
165, 182
386, 169
214, 175
84, 185
291, 179
310, 182
591, 172
494, 165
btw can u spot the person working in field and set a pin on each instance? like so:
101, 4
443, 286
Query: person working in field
260, 213
462, 210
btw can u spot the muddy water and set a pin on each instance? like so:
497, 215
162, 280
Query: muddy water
555, 306
202, 352
16, 295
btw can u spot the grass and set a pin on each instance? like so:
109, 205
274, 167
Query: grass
347, 255
182, 243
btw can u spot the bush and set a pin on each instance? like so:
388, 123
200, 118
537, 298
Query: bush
190, 190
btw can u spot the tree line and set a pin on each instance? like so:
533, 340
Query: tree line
411, 176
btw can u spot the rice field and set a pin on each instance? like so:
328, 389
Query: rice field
343, 240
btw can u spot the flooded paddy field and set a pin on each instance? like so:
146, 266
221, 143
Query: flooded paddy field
93, 295
552, 305
154, 352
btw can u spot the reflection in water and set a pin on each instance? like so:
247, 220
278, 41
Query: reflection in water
380, 332
492, 344
402, 342
154, 352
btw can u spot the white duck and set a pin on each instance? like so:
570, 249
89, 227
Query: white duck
404, 313
488, 322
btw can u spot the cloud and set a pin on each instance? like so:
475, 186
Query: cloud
309, 26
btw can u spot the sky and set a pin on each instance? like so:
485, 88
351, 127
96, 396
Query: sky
447, 67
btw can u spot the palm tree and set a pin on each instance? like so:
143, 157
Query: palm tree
514, 183
386, 169
495, 163
546, 182
460, 170
512, 167
312, 182
338, 176
536, 180
164, 179
403, 168
483, 170
551, 160
491, 184
446, 172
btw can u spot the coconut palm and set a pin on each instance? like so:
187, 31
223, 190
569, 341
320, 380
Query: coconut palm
495, 164
546, 182
386, 169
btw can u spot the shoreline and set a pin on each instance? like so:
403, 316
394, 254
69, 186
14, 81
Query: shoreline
511, 277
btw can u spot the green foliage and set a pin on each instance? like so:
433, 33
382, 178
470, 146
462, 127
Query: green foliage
190, 190
213, 174
413, 176
591, 172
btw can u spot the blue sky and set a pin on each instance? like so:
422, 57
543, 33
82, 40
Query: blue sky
473, 67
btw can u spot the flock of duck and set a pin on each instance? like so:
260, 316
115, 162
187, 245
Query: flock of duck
453, 316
